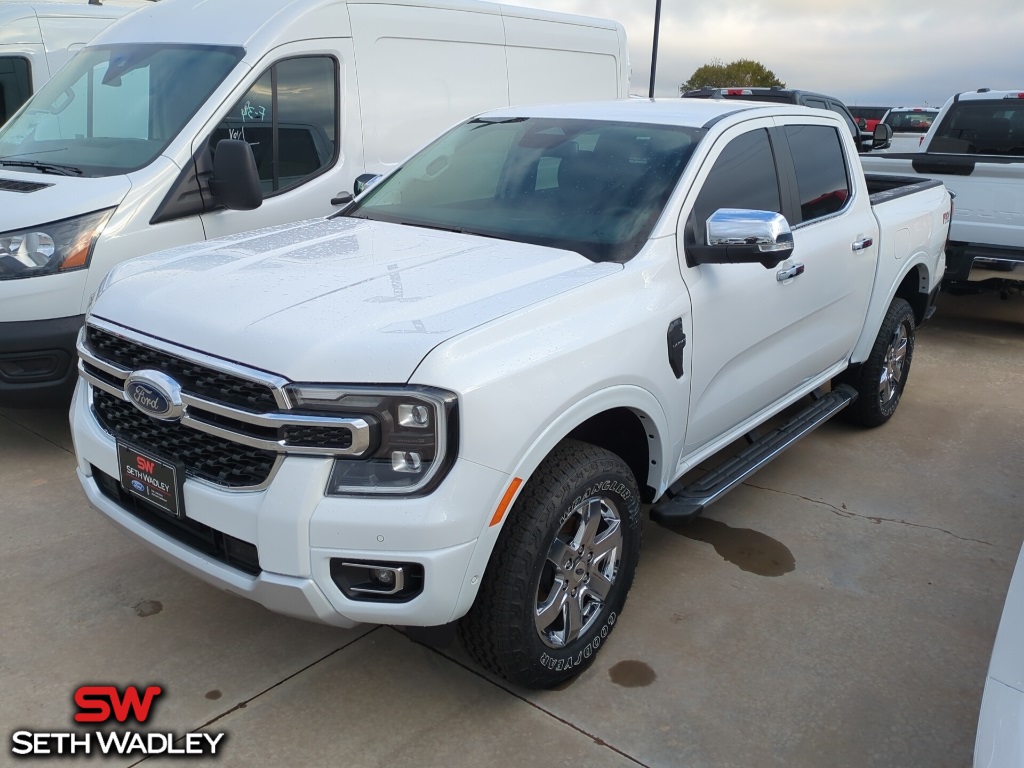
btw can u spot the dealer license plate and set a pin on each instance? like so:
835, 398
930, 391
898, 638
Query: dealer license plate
149, 478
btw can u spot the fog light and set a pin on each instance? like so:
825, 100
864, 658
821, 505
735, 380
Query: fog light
406, 461
377, 581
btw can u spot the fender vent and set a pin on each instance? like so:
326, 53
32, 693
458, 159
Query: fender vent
10, 185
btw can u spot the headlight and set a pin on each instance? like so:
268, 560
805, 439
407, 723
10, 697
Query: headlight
60, 246
413, 442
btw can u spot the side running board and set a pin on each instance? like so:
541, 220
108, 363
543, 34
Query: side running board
683, 502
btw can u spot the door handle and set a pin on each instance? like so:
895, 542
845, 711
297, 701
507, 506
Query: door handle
788, 274
860, 245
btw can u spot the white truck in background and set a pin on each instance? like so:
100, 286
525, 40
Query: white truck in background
909, 127
448, 401
138, 143
37, 38
975, 146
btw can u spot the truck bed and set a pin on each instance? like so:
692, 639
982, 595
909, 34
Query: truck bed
883, 188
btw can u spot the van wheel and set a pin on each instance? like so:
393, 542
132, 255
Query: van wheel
560, 571
880, 379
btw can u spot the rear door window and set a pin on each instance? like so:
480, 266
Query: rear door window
822, 178
15, 85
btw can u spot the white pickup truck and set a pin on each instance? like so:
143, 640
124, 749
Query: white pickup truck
975, 146
450, 400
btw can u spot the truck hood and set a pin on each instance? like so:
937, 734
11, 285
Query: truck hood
335, 300
63, 197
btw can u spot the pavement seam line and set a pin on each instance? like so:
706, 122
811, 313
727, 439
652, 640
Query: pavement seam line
478, 673
246, 702
872, 518
33, 432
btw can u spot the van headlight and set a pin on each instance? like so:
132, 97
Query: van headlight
60, 246
413, 440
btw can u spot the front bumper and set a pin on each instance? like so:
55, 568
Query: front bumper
295, 532
37, 361
1000, 739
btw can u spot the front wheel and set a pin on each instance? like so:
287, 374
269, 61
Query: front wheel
881, 378
560, 571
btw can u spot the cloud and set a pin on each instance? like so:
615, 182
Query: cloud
907, 53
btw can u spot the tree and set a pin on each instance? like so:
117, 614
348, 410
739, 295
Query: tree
741, 73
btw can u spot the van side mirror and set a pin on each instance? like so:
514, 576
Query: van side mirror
739, 236
882, 136
364, 181
236, 182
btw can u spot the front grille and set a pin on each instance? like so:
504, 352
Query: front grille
193, 534
194, 378
318, 437
204, 456
12, 185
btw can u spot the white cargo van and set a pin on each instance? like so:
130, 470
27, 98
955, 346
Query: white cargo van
37, 38
192, 120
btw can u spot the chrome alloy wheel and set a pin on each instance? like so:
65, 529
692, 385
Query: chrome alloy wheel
581, 566
892, 366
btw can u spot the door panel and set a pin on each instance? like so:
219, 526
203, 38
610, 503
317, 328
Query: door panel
759, 335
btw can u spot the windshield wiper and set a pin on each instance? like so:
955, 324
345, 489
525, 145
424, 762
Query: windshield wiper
54, 168
458, 230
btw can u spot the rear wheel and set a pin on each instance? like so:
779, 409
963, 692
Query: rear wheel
880, 379
560, 570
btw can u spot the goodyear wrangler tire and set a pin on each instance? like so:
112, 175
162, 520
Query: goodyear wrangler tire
560, 571
880, 379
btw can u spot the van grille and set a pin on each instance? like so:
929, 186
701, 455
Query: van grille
11, 185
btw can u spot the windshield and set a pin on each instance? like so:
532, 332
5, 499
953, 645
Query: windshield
911, 121
593, 187
114, 108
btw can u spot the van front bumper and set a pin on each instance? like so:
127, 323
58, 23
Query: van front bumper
37, 362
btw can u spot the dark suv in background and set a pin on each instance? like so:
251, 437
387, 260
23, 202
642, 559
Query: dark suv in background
865, 140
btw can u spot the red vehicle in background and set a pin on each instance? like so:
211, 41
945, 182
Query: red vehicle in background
871, 116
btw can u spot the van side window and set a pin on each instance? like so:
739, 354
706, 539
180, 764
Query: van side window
289, 117
822, 178
15, 85
743, 176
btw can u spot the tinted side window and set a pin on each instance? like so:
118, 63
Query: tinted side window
821, 176
289, 117
847, 118
15, 85
743, 176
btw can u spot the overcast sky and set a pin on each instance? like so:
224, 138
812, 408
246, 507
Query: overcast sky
888, 53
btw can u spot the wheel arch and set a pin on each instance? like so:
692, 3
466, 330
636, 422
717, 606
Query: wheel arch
914, 289
626, 420
913, 286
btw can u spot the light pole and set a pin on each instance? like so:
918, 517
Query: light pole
654, 50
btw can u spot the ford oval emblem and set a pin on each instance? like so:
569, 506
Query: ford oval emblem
138, 486
155, 394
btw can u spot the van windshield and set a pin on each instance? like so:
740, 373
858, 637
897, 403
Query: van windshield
588, 186
114, 108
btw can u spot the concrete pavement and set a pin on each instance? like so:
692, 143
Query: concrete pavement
838, 609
